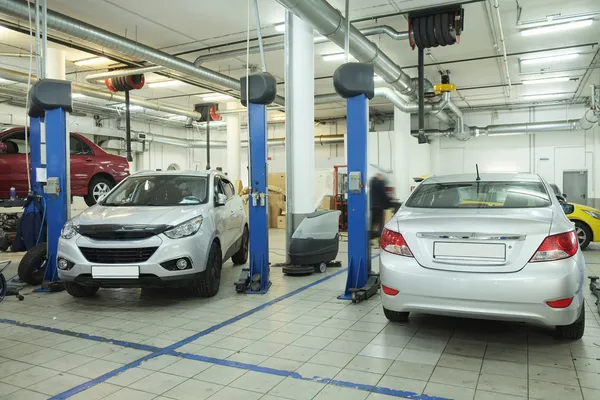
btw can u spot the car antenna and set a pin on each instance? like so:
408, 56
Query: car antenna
477, 169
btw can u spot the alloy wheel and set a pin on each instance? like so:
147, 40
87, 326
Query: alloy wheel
100, 189
581, 235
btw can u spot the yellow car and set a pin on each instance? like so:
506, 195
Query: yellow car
586, 219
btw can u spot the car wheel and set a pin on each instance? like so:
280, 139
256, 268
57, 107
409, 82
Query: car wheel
207, 284
395, 316
584, 234
2, 287
32, 267
98, 187
241, 256
575, 330
77, 290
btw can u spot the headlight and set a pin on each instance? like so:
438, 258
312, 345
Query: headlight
185, 229
68, 231
592, 214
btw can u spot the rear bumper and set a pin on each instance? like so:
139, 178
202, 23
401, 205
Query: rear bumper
518, 296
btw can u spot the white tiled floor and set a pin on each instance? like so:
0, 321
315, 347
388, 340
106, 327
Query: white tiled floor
288, 350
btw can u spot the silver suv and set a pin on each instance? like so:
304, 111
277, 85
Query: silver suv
154, 230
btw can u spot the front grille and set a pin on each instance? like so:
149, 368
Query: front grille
117, 256
120, 232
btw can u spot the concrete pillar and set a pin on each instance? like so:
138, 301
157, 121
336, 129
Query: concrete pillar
401, 162
233, 143
55, 64
300, 115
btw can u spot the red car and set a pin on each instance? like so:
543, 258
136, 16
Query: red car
93, 171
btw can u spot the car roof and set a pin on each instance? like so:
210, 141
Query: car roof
495, 177
175, 173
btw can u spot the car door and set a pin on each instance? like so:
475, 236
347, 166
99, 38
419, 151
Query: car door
222, 216
237, 212
13, 164
83, 164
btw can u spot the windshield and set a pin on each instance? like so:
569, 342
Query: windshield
479, 195
159, 190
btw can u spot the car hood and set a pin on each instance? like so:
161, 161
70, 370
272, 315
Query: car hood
585, 208
171, 216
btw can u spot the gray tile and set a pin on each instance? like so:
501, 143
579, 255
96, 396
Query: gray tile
360, 377
130, 394
297, 389
301, 329
466, 348
220, 374
318, 371
460, 362
67, 362
357, 336
314, 342
553, 391
419, 356
483, 395
230, 393
436, 345
158, 363
97, 392
57, 384
551, 360
257, 382
455, 377
448, 391
410, 370
42, 356
503, 353
247, 358
264, 348
589, 380
370, 364
158, 383
380, 351
28, 377
554, 375
216, 352
508, 368
233, 343
503, 384
332, 358
6, 389
282, 337
125, 356
280, 363
402, 384
345, 346
25, 394
590, 394
12, 367
193, 390
332, 392
296, 353
326, 332
186, 368
129, 376
587, 364
387, 339
95, 368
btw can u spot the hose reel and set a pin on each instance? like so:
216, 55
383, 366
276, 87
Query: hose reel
433, 28
125, 84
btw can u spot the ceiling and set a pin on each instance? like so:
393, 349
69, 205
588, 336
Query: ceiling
187, 26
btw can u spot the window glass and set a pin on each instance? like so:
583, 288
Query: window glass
78, 146
228, 188
15, 143
159, 190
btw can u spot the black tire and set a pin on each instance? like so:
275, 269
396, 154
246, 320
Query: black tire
97, 185
575, 330
423, 29
76, 290
2, 287
395, 316
584, 234
241, 257
33, 265
207, 284
431, 32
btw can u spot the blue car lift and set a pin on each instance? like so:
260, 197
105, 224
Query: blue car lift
257, 90
354, 82
49, 101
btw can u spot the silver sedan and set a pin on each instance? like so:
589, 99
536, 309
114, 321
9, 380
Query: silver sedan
499, 248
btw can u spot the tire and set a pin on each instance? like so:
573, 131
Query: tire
584, 234
395, 316
2, 287
241, 257
575, 330
321, 268
98, 186
76, 290
207, 284
33, 265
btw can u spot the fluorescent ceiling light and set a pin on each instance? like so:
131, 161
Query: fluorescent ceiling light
553, 59
377, 78
557, 27
546, 80
90, 61
154, 85
334, 57
215, 97
280, 28
2, 80
177, 117
279, 118
544, 96
131, 107
213, 123
77, 95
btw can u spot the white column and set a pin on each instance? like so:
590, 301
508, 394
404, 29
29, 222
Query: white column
55, 64
401, 162
300, 128
233, 143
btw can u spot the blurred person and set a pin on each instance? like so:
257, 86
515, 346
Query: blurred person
379, 202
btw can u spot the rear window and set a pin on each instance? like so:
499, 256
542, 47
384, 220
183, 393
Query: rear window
479, 195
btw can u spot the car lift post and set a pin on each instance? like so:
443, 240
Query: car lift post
257, 90
354, 82
50, 100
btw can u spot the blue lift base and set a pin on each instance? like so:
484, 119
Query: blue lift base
260, 291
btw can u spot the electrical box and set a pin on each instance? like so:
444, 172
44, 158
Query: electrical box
52, 186
355, 184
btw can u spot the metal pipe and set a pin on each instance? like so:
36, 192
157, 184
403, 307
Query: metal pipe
128, 126
38, 46
374, 30
21, 77
289, 165
44, 37
497, 7
259, 35
421, 98
122, 45
347, 36
98, 79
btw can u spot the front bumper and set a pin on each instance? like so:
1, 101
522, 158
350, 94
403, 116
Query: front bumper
518, 296
152, 274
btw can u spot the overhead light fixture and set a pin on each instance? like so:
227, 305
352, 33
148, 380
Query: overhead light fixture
553, 59
77, 95
2, 80
213, 124
334, 57
177, 117
280, 28
279, 118
90, 61
131, 107
546, 80
557, 27
215, 97
544, 96
155, 85
377, 78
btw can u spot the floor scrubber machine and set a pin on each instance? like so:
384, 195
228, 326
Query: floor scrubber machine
315, 244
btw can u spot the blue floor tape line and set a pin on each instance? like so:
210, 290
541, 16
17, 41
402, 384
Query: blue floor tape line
123, 343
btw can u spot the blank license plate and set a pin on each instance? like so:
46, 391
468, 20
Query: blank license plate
116, 272
476, 251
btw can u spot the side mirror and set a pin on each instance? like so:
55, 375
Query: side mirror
101, 198
564, 195
221, 199
568, 208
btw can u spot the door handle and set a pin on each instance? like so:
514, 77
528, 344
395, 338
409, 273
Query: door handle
88, 159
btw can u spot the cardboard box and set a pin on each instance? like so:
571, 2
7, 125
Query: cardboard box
281, 220
239, 186
327, 203
278, 180
388, 214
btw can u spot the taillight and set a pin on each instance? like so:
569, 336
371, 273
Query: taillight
557, 247
394, 243
562, 303
389, 291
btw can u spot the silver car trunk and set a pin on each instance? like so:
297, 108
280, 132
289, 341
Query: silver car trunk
474, 240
